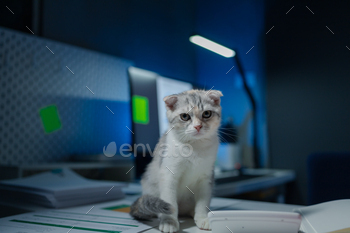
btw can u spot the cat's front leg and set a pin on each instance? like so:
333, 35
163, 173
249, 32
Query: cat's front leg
168, 185
168, 223
202, 199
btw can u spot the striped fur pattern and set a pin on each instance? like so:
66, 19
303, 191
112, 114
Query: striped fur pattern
174, 184
146, 207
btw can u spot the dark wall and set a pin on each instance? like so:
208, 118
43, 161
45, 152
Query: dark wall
238, 25
153, 34
308, 70
16, 14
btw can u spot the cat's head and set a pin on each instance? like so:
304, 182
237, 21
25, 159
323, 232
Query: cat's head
194, 114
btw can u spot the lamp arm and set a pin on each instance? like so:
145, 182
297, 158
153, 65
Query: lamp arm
253, 103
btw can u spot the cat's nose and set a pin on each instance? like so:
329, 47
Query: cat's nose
198, 127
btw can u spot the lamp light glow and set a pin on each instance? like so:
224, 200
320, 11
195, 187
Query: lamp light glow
212, 46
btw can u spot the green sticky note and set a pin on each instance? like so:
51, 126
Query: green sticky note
49, 117
140, 109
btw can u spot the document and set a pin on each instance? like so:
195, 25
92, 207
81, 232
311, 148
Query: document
332, 217
76, 220
60, 188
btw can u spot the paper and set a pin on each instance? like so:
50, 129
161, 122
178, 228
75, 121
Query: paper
61, 188
76, 220
347, 230
332, 216
61, 182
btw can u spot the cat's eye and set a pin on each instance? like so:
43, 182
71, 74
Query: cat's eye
206, 114
185, 116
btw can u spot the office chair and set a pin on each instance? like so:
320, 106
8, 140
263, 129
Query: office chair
328, 177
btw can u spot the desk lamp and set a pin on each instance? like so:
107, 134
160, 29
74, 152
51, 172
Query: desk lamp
229, 53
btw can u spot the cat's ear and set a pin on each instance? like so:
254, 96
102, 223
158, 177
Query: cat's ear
215, 95
170, 101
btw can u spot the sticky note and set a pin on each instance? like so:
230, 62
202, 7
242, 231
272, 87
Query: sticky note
50, 118
140, 109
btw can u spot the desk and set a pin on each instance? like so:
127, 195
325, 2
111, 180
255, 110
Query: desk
269, 178
265, 178
187, 224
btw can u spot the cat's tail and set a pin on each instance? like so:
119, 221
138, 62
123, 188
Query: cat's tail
147, 206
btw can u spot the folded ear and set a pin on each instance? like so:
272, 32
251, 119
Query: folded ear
215, 95
170, 101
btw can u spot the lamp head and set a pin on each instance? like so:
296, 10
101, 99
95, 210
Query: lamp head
212, 46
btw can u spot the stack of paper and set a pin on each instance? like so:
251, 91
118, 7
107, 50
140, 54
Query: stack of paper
60, 188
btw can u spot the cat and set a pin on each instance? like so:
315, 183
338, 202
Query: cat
179, 179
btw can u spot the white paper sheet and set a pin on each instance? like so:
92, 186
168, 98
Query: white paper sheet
75, 220
61, 182
332, 216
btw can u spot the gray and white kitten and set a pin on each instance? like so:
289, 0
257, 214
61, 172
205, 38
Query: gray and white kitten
179, 179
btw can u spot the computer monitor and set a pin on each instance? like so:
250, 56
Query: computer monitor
148, 110
165, 87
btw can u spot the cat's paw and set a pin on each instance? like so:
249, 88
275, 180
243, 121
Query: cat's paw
169, 225
203, 224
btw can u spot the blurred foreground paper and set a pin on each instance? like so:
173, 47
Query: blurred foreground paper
332, 216
85, 219
60, 188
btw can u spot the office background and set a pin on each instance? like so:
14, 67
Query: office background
298, 69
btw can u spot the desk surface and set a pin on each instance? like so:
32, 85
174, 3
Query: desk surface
278, 177
269, 178
188, 225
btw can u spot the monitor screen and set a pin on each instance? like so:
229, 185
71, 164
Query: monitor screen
148, 109
165, 87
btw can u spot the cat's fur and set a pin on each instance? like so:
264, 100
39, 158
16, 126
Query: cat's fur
176, 184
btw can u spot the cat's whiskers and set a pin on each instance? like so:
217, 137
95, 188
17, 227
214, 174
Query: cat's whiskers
233, 136
222, 139
190, 131
183, 137
227, 129
230, 135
